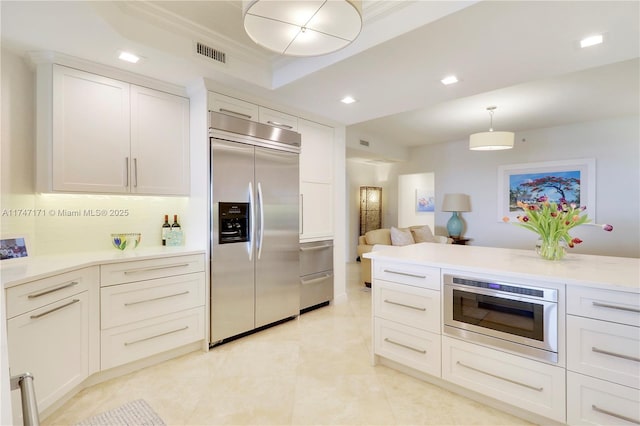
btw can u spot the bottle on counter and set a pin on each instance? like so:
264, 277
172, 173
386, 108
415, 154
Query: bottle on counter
174, 235
165, 229
175, 225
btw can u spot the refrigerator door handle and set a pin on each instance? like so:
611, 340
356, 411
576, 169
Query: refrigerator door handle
251, 227
261, 214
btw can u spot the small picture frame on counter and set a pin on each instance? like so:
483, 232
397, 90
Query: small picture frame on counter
13, 248
175, 237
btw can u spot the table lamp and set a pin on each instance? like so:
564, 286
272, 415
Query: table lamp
455, 203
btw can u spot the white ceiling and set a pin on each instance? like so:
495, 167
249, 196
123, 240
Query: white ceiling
521, 56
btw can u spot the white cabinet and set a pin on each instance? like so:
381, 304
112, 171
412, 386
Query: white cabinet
109, 136
406, 316
232, 106
316, 180
49, 333
531, 385
278, 119
150, 306
603, 356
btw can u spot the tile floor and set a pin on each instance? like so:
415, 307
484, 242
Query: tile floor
313, 370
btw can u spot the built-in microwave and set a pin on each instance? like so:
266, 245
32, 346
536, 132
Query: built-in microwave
515, 317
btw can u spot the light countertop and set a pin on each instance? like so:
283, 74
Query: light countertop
616, 273
19, 271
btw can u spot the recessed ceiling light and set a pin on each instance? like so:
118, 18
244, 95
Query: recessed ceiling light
449, 80
347, 100
591, 41
129, 57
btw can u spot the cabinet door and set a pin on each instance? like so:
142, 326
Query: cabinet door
52, 343
316, 155
278, 119
232, 106
159, 142
316, 211
90, 151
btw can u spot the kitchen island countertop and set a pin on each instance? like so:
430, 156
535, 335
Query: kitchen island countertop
19, 271
615, 273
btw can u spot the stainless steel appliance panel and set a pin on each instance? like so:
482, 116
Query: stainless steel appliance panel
316, 273
277, 260
232, 268
316, 289
316, 256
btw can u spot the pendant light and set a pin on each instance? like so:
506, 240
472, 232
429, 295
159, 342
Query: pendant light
491, 141
302, 27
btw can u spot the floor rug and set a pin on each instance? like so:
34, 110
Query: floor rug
136, 413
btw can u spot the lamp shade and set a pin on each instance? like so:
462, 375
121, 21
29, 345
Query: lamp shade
302, 27
456, 203
491, 141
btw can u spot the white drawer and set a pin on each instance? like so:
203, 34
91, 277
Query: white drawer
409, 346
232, 106
608, 305
128, 343
528, 384
597, 402
603, 349
415, 275
125, 303
127, 272
278, 119
35, 294
416, 307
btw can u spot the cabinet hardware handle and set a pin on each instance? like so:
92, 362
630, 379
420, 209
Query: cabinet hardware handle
422, 351
157, 335
406, 274
275, 123
301, 214
135, 172
54, 309
155, 268
52, 290
417, 308
623, 356
612, 414
315, 280
126, 172
500, 377
621, 308
315, 248
156, 298
228, 111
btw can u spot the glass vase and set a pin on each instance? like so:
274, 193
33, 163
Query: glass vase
551, 249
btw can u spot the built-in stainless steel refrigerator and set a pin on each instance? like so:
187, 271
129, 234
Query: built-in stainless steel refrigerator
254, 210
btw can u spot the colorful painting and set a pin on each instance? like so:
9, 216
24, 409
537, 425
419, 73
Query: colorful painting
13, 248
425, 201
572, 181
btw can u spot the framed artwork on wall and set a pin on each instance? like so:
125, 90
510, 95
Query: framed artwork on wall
571, 180
425, 201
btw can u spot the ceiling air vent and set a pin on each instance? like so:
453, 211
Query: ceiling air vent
211, 53
364, 143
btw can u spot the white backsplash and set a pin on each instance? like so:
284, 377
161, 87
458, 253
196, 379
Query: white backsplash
79, 222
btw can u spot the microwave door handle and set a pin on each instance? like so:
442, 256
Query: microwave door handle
251, 221
261, 225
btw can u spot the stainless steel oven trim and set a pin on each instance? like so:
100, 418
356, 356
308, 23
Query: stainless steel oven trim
550, 336
549, 294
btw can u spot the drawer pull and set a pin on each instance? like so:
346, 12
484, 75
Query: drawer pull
422, 351
618, 416
228, 111
500, 377
406, 274
52, 290
326, 246
282, 125
620, 308
315, 280
54, 309
157, 335
623, 356
156, 268
417, 308
156, 298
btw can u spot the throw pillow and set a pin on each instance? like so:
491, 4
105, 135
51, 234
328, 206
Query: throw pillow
400, 237
423, 235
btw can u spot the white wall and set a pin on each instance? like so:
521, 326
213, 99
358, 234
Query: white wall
614, 143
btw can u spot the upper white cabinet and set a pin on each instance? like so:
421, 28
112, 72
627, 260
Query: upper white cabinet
277, 119
109, 136
316, 158
232, 106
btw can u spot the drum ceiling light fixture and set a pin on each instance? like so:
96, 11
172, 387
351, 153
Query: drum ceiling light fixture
302, 27
491, 141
